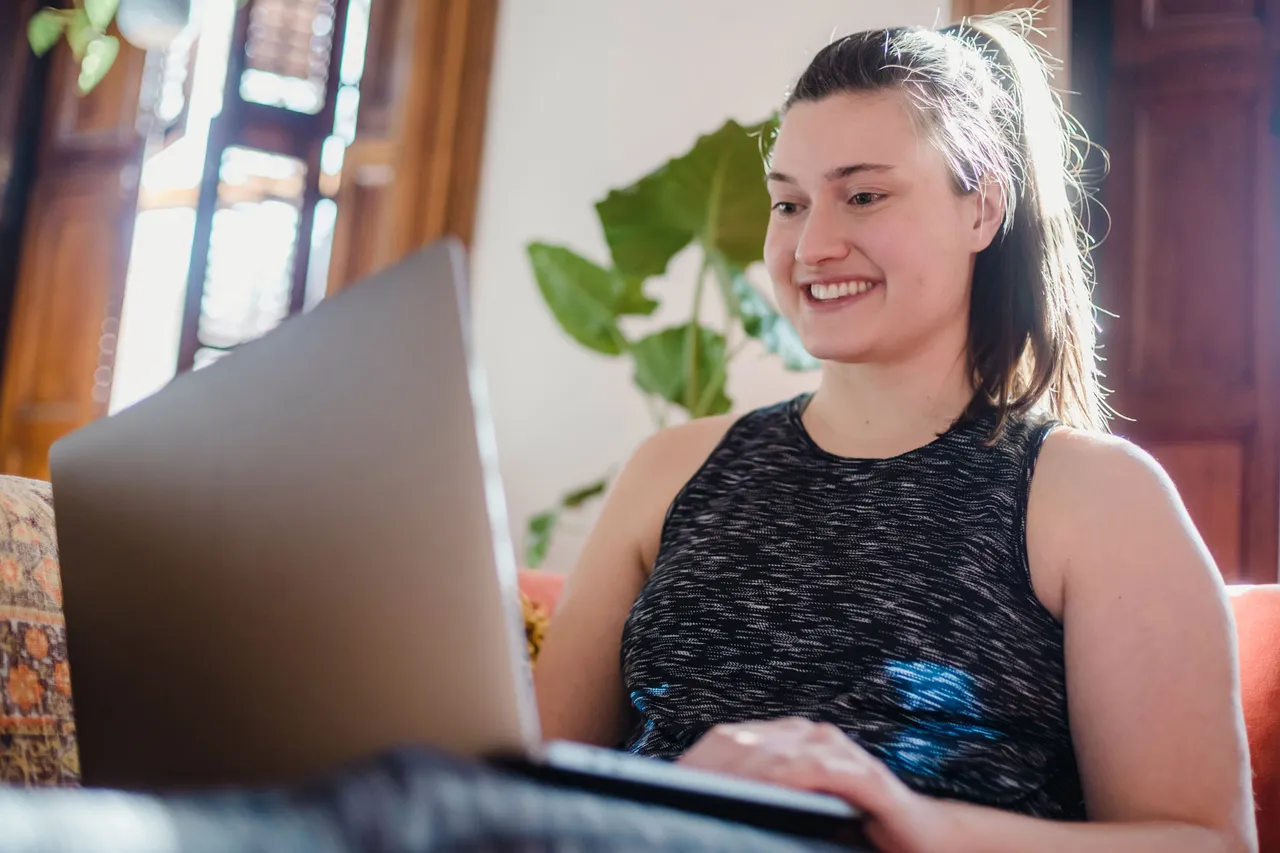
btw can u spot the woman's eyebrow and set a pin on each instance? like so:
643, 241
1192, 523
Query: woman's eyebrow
835, 174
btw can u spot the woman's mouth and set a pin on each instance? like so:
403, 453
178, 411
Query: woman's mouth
838, 292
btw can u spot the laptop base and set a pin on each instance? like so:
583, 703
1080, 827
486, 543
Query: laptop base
763, 806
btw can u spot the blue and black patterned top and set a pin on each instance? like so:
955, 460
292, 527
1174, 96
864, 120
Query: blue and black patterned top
890, 597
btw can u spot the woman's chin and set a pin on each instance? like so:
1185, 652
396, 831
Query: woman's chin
839, 352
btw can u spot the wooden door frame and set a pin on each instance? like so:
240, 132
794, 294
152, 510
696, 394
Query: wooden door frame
413, 173
77, 236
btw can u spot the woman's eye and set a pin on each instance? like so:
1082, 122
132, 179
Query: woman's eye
786, 208
864, 199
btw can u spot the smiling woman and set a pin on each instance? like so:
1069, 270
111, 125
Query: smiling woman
934, 586
951, 189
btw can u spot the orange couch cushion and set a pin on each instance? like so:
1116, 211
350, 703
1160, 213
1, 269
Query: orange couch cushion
543, 588
1257, 613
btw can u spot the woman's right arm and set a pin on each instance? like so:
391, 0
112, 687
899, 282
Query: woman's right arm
578, 676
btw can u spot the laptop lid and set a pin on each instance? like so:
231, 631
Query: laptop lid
298, 555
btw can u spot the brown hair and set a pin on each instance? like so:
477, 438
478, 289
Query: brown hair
981, 93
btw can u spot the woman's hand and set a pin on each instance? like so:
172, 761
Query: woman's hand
799, 753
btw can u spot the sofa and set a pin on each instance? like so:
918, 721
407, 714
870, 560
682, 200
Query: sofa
37, 730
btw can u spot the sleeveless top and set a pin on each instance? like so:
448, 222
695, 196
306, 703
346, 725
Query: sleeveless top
891, 597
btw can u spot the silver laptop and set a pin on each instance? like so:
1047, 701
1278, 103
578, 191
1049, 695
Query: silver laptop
299, 556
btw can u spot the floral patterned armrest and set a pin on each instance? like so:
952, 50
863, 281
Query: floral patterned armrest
37, 732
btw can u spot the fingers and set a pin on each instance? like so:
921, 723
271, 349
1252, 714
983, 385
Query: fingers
857, 778
729, 747
798, 753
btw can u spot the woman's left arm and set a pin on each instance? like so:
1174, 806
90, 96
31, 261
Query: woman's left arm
1152, 684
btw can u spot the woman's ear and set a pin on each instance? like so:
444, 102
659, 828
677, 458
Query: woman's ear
989, 215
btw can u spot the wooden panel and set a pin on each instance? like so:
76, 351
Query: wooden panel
59, 365
1192, 311
1191, 12
102, 123
65, 314
1152, 29
75, 245
389, 47
360, 239
1210, 477
1189, 264
414, 168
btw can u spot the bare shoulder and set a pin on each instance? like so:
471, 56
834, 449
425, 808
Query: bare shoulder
1074, 463
660, 468
681, 450
1101, 505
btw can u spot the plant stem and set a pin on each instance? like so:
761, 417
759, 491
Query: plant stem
731, 309
721, 373
691, 389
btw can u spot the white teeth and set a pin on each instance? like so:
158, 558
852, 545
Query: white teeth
836, 290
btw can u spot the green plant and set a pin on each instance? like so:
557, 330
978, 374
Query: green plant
712, 196
85, 27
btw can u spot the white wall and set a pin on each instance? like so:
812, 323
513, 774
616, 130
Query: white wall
588, 95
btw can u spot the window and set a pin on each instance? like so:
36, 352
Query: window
236, 210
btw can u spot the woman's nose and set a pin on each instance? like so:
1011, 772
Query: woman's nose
822, 239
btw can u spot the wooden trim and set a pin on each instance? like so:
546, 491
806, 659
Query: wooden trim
413, 173
71, 272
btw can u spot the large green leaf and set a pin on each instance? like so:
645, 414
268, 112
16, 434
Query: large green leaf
80, 33
44, 30
641, 237
662, 368
101, 12
586, 298
760, 320
718, 191
713, 193
99, 56
631, 298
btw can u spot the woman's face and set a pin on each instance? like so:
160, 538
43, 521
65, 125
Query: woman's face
870, 247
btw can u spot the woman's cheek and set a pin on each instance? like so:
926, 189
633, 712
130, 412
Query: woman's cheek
787, 299
777, 257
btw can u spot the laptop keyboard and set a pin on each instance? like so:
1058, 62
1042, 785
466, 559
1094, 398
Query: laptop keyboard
647, 771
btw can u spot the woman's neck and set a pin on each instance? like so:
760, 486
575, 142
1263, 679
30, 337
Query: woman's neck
882, 410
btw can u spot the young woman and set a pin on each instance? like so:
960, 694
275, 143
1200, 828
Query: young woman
935, 587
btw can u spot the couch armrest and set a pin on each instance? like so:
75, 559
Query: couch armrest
37, 730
